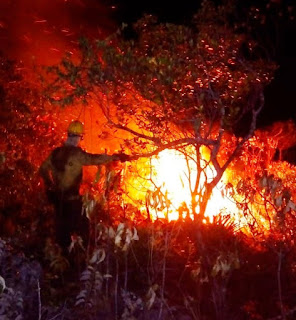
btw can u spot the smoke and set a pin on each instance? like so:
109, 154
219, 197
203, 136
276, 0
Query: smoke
42, 31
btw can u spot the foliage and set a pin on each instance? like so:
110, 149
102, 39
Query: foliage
158, 270
20, 277
179, 270
265, 195
27, 131
264, 189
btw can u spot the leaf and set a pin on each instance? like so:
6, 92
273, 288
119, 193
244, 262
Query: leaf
90, 207
110, 176
120, 227
225, 267
128, 236
111, 233
148, 197
278, 201
290, 206
2, 158
82, 294
98, 256
2, 284
118, 236
150, 298
80, 301
195, 272
135, 235
86, 275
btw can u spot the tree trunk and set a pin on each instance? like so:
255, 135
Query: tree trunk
202, 203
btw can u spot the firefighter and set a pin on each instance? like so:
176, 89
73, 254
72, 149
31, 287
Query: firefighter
62, 176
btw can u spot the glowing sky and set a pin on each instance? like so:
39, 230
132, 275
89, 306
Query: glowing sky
42, 31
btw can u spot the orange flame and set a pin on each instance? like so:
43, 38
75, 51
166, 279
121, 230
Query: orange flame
174, 175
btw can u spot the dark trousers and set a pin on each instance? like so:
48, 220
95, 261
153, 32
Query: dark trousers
70, 220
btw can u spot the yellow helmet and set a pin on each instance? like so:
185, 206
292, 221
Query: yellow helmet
76, 128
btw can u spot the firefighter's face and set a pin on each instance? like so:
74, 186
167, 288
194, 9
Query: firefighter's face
75, 139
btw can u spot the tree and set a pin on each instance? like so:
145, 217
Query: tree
172, 86
27, 132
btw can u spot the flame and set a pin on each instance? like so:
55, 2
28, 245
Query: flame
169, 180
174, 175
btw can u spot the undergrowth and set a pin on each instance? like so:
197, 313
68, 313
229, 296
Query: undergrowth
177, 270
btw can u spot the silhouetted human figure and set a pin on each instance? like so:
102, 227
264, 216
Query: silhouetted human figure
62, 175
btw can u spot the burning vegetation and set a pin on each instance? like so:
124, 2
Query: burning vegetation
199, 224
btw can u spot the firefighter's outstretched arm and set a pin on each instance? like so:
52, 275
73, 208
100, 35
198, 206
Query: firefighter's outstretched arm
98, 159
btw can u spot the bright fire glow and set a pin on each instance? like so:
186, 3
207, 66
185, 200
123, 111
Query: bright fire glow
172, 175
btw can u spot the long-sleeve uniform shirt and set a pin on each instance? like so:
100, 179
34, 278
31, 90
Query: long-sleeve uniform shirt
62, 170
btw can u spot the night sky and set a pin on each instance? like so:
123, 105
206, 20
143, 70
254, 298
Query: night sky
40, 32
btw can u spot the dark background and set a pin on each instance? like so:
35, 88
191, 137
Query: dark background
280, 103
